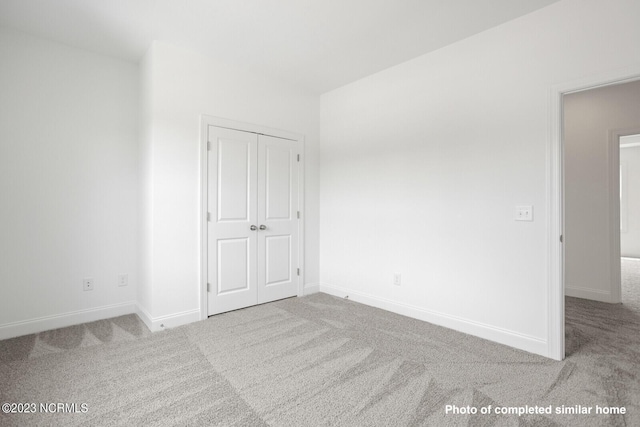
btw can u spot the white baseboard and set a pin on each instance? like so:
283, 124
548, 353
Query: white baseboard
587, 293
311, 288
46, 323
144, 315
161, 323
491, 333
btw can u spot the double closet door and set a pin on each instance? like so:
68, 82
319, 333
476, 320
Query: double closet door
252, 235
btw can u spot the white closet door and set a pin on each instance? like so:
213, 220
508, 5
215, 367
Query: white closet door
277, 218
232, 205
252, 230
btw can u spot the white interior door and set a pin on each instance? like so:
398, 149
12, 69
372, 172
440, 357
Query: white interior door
277, 215
232, 199
252, 197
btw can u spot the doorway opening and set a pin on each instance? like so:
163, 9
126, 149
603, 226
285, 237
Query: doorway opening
595, 121
629, 155
556, 208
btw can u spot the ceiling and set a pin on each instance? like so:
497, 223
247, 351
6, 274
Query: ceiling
317, 45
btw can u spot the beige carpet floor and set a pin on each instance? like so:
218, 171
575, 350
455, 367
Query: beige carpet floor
319, 361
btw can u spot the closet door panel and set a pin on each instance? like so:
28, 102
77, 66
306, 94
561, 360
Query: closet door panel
277, 216
232, 204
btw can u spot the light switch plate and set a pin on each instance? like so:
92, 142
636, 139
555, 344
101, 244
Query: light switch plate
524, 213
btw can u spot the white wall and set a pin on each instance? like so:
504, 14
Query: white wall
68, 184
589, 116
630, 203
183, 85
422, 166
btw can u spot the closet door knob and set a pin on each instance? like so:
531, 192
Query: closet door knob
253, 228
263, 227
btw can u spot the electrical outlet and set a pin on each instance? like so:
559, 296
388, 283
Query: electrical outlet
397, 279
87, 284
123, 279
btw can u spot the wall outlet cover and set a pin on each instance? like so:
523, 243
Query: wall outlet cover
123, 279
87, 284
397, 279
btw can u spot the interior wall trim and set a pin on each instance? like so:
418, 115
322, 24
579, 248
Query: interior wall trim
46, 323
503, 336
311, 288
162, 323
587, 293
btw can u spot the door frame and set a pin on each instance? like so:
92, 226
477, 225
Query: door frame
205, 122
555, 200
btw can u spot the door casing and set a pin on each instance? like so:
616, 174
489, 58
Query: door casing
205, 122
